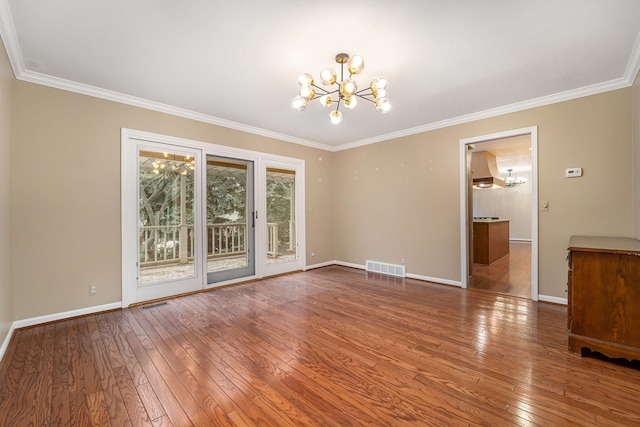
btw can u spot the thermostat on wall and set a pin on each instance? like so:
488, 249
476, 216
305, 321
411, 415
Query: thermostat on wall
573, 172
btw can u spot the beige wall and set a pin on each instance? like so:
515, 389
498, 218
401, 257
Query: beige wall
400, 198
636, 156
387, 201
67, 193
6, 185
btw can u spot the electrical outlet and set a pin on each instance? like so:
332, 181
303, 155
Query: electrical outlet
402, 261
93, 289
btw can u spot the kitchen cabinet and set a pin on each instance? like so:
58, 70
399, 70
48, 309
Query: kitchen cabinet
490, 240
604, 296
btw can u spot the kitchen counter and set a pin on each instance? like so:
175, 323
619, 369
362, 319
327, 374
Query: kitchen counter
490, 240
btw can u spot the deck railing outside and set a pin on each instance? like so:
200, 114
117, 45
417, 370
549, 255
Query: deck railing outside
166, 244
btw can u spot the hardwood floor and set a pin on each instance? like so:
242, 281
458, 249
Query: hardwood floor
328, 347
510, 274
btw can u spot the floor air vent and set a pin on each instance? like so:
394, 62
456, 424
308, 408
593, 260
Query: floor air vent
158, 304
384, 268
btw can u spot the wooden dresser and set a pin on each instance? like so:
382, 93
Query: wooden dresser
604, 296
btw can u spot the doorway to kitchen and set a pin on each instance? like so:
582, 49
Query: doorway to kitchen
499, 224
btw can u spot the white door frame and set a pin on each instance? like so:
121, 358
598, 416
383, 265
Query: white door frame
464, 218
128, 157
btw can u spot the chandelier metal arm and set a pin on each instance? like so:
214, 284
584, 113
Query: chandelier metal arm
324, 91
365, 97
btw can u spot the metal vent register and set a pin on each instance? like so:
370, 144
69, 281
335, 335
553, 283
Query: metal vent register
385, 268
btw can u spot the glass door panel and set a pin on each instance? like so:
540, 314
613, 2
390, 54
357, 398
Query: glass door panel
230, 219
167, 249
281, 219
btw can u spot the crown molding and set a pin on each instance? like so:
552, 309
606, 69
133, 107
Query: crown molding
8, 34
633, 66
10, 39
499, 111
67, 85
71, 86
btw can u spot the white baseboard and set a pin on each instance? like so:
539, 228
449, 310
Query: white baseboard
555, 300
351, 265
5, 343
408, 275
435, 280
52, 318
65, 315
322, 264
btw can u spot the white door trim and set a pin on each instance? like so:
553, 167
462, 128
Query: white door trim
128, 155
464, 249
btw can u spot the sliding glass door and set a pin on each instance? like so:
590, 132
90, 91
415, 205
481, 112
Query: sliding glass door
197, 215
230, 219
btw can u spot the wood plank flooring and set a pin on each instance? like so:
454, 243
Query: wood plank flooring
329, 347
509, 275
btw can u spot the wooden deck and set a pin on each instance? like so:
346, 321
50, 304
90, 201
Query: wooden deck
163, 273
328, 347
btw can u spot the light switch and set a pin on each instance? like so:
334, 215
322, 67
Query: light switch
544, 205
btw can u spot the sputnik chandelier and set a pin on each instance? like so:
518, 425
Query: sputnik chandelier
512, 181
344, 91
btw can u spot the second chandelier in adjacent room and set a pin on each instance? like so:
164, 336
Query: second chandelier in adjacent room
345, 91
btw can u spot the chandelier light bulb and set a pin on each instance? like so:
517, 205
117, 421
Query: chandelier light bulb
348, 87
305, 79
307, 92
328, 76
326, 100
378, 84
299, 103
335, 116
382, 105
355, 64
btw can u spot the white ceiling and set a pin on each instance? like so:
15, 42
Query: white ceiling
236, 63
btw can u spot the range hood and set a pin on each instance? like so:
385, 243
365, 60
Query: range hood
484, 170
